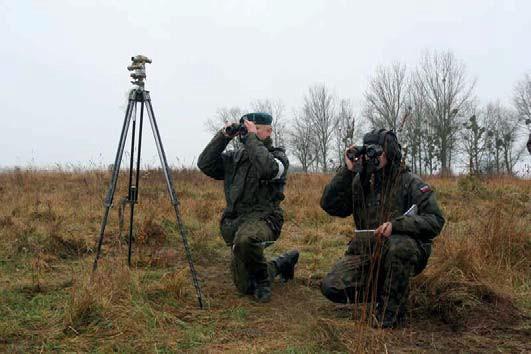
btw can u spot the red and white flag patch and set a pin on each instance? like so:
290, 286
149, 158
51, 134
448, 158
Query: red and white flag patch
425, 189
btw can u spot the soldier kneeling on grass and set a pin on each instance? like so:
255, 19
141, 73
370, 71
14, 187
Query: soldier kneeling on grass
254, 177
378, 190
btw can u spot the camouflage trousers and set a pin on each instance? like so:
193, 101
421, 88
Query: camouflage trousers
376, 271
248, 237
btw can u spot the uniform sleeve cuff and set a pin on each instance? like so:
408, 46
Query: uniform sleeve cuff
345, 173
221, 135
251, 139
397, 223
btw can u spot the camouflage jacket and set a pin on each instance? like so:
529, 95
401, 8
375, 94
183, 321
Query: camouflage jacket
254, 177
344, 195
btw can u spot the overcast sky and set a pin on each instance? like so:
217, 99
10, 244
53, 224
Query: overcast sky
64, 80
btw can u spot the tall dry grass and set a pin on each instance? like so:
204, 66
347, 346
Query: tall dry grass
478, 275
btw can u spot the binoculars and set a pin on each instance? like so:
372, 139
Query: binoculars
371, 151
236, 129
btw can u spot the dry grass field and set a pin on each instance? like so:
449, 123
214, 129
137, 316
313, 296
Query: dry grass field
473, 297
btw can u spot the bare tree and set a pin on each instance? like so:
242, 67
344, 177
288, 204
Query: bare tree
473, 142
493, 163
385, 96
419, 143
501, 140
224, 114
231, 115
522, 100
414, 133
302, 142
319, 110
447, 94
522, 103
276, 109
348, 128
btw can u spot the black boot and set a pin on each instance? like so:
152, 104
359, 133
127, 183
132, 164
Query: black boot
285, 265
262, 292
390, 319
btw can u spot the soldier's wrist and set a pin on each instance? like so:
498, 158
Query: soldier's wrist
251, 138
345, 172
224, 135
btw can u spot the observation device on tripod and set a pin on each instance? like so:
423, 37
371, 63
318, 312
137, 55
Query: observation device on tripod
139, 95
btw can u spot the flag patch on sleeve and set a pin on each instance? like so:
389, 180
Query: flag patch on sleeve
425, 189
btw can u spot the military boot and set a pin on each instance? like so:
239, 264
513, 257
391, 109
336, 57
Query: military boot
262, 291
285, 265
386, 318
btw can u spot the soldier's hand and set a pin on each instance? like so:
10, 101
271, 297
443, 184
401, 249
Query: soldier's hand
224, 129
251, 127
385, 230
350, 164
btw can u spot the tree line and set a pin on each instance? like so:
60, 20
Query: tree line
432, 107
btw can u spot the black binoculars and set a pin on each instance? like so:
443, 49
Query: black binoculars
371, 151
236, 129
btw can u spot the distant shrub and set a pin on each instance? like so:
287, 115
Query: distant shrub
471, 185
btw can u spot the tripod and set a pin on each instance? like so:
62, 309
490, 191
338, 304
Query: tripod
139, 95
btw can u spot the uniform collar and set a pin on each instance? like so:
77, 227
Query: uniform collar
268, 143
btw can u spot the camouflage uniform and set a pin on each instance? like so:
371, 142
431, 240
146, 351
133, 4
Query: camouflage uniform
254, 178
380, 269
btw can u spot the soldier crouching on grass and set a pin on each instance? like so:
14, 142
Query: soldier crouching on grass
377, 266
254, 176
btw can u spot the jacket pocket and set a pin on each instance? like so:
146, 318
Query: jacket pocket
228, 227
425, 252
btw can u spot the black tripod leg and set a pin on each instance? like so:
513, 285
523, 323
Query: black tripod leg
116, 170
133, 188
174, 200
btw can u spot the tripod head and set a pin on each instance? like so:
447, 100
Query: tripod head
138, 70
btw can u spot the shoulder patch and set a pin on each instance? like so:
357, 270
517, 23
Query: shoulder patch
425, 188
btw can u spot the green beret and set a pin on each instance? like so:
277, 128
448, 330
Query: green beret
258, 118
